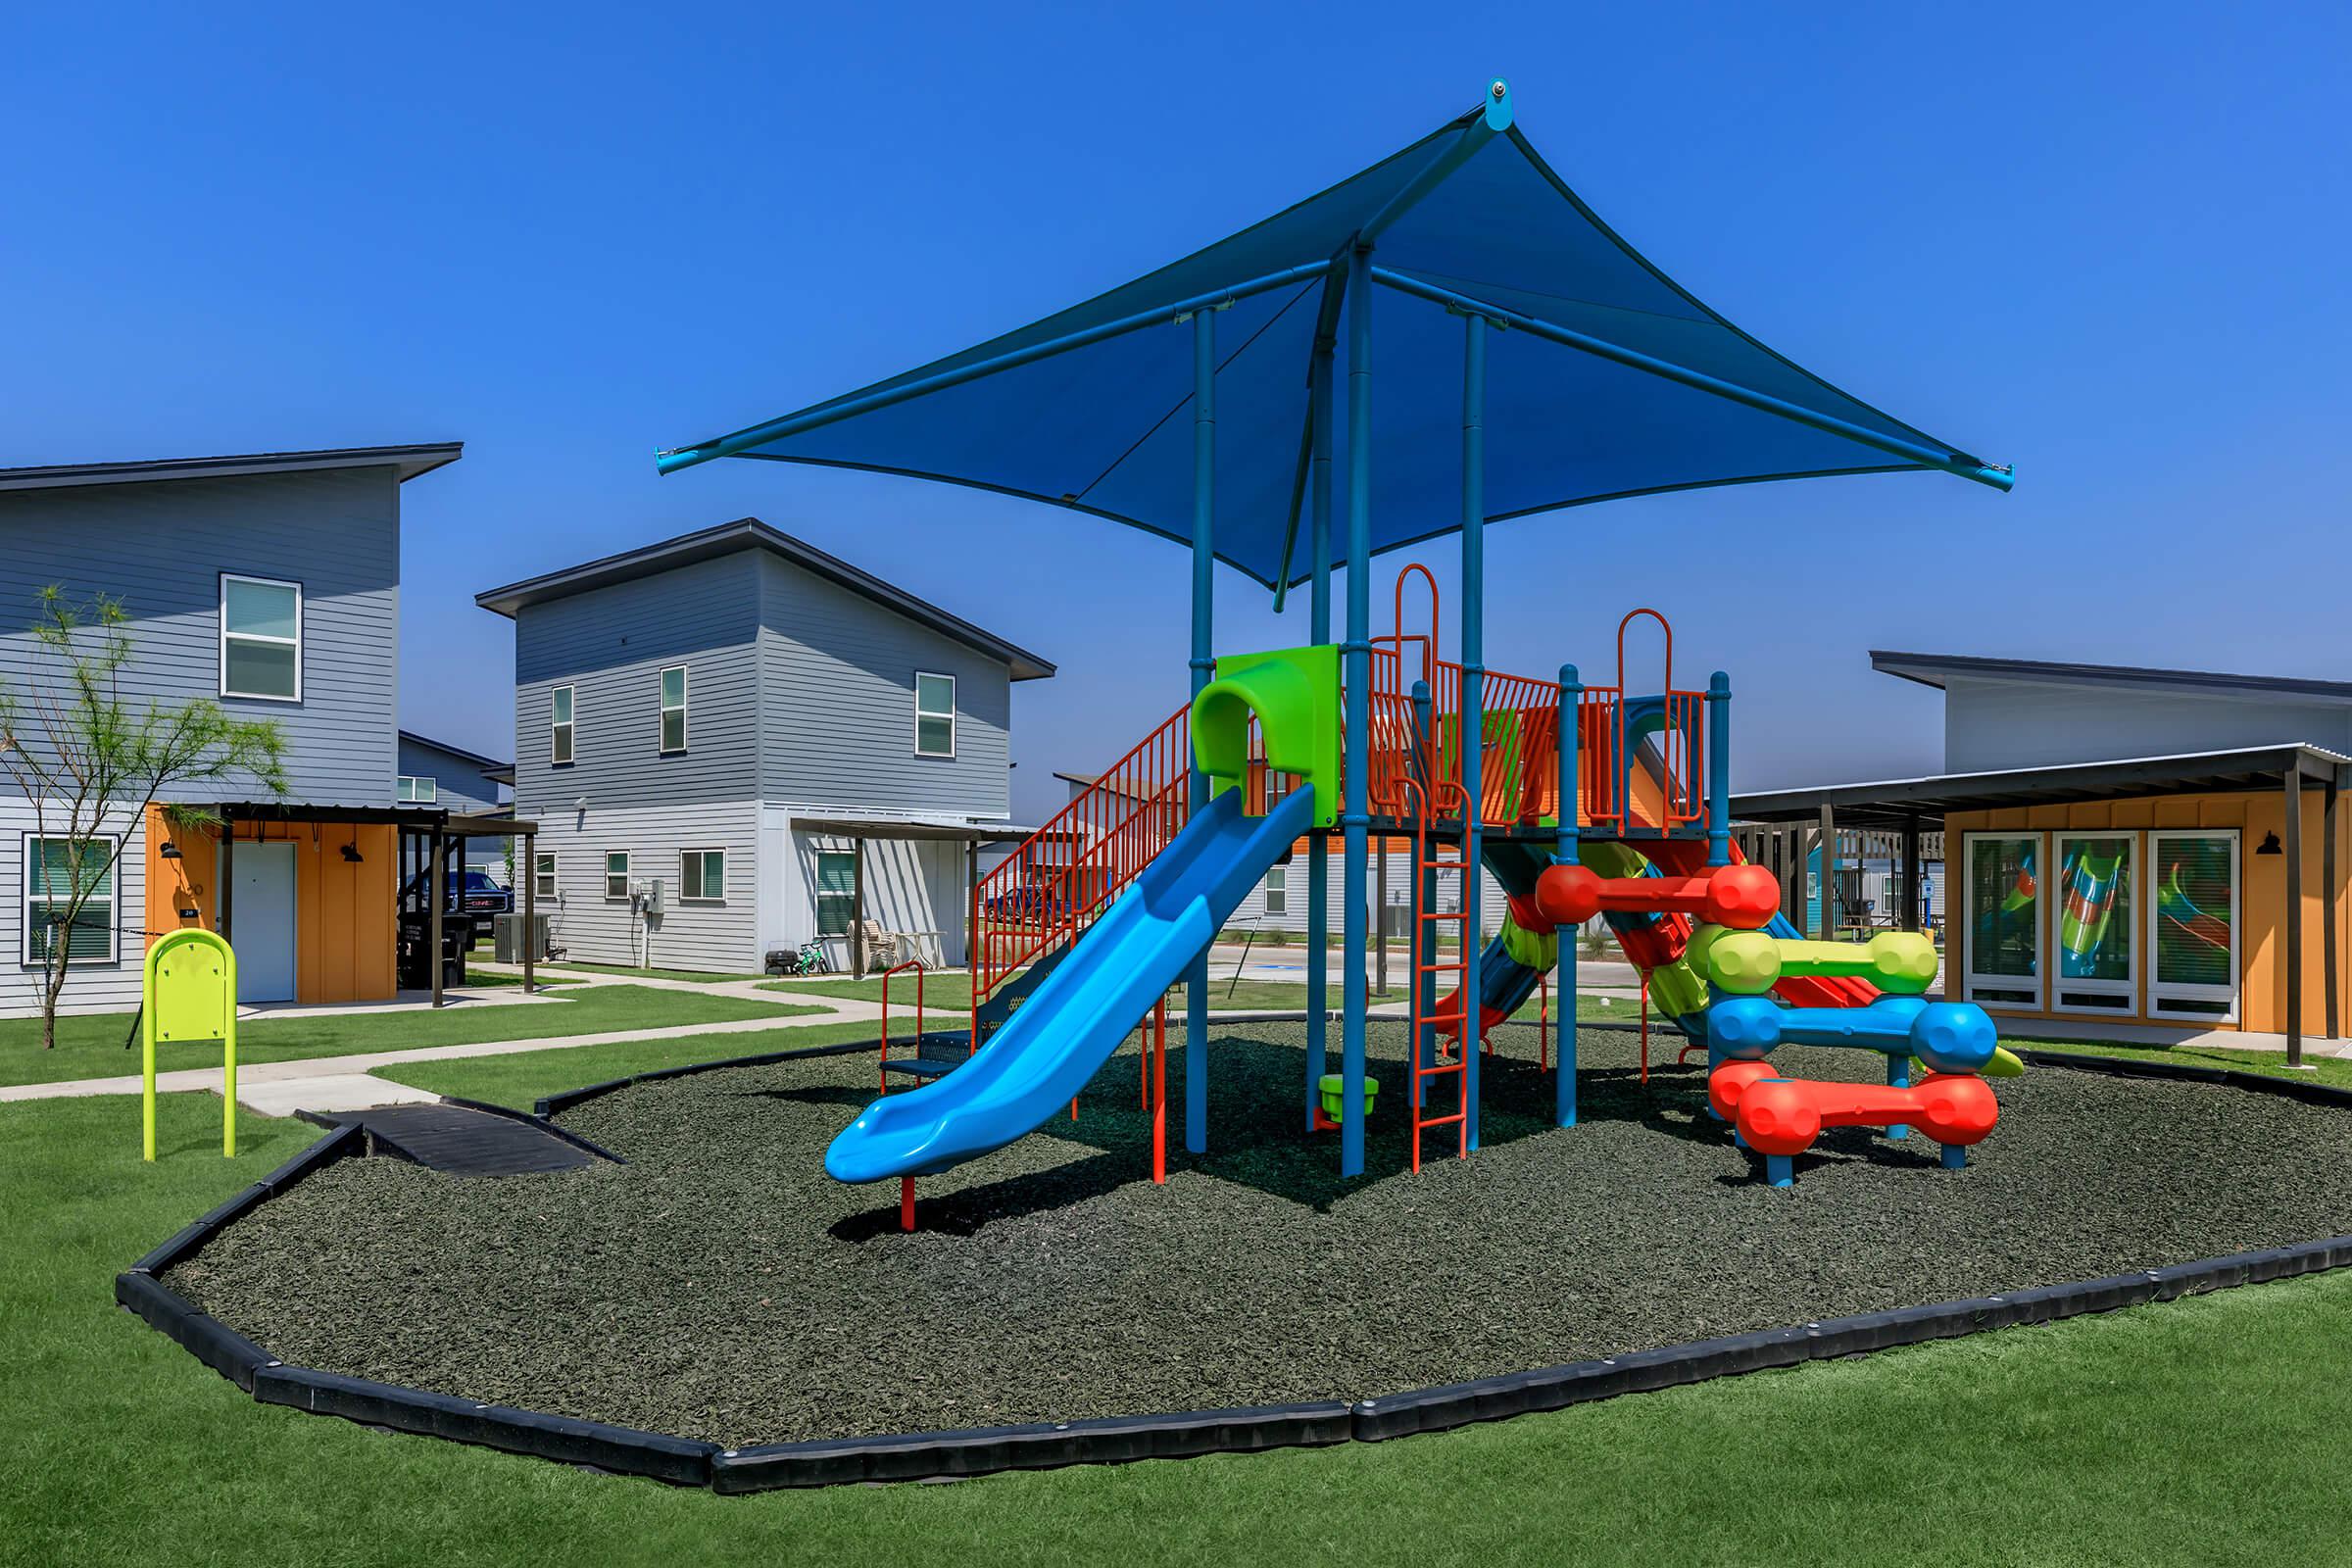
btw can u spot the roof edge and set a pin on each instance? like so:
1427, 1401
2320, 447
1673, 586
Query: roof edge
411, 460
1933, 670
750, 533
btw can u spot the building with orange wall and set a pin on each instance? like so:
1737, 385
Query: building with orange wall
2124, 846
268, 583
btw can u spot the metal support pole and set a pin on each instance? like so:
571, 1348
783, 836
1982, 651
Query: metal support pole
530, 914
1719, 770
1421, 943
1824, 921
1473, 721
1318, 849
2293, 837
1563, 1090
1358, 653
1204, 662
1380, 919
1915, 908
437, 884
858, 909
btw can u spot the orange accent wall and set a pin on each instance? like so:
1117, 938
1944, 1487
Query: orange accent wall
2262, 894
344, 917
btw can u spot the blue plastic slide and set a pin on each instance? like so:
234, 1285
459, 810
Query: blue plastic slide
1057, 1040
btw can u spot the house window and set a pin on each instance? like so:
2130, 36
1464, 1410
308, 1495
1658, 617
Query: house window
543, 866
836, 892
1278, 891
261, 638
673, 709
55, 870
2193, 924
2004, 918
616, 874
2092, 920
559, 750
703, 874
418, 791
934, 715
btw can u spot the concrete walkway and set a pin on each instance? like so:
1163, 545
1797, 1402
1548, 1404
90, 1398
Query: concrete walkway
344, 1082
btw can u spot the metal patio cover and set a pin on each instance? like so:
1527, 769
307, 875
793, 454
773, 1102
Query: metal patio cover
1608, 380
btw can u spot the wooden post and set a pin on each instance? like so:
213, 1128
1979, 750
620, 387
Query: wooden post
2328, 903
2293, 838
437, 889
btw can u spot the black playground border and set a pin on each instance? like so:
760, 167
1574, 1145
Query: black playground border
984, 1451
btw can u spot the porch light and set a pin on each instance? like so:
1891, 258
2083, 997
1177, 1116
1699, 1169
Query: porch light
2270, 844
351, 852
169, 852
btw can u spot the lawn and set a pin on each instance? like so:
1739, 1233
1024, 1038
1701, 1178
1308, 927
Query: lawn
91, 1045
952, 994
520, 1079
2202, 1430
699, 977
2316, 1069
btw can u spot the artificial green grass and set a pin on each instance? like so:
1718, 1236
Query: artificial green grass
520, 1079
2316, 1069
701, 977
2204, 1430
91, 1046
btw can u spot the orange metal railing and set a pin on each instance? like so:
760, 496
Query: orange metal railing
916, 964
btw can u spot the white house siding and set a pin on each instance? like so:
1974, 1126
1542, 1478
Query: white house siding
911, 885
1994, 724
89, 987
722, 936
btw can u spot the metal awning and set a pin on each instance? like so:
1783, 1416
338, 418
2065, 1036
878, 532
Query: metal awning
934, 829
410, 818
1890, 802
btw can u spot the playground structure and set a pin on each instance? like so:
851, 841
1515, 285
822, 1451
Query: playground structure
1081, 932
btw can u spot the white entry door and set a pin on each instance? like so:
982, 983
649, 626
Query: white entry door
261, 920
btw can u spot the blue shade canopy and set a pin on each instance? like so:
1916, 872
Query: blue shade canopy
1608, 380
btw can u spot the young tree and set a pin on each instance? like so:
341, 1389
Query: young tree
91, 763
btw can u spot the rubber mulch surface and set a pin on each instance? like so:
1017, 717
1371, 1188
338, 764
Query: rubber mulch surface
719, 1286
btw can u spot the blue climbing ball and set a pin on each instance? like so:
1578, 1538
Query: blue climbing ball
1744, 1027
1954, 1036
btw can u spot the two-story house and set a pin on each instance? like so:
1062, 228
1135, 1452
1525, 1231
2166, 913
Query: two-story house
269, 584
436, 773
733, 741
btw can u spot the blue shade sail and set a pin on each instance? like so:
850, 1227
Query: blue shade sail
1609, 379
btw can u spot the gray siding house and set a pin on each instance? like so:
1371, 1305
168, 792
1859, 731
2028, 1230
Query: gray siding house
716, 732
268, 582
436, 773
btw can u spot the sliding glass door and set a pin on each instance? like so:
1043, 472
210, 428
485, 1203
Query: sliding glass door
2004, 918
2193, 924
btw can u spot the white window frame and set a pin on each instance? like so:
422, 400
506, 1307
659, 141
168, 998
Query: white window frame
662, 702
1278, 890
706, 896
2127, 987
295, 641
543, 867
1973, 982
26, 898
624, 856
562, 734
818, 896
2161, 991
921, 713
418, 789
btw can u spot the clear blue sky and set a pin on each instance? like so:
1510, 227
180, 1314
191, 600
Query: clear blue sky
2107, 244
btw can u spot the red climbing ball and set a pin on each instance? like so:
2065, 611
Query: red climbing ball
1744, 897
1568, 895
1778, 1116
